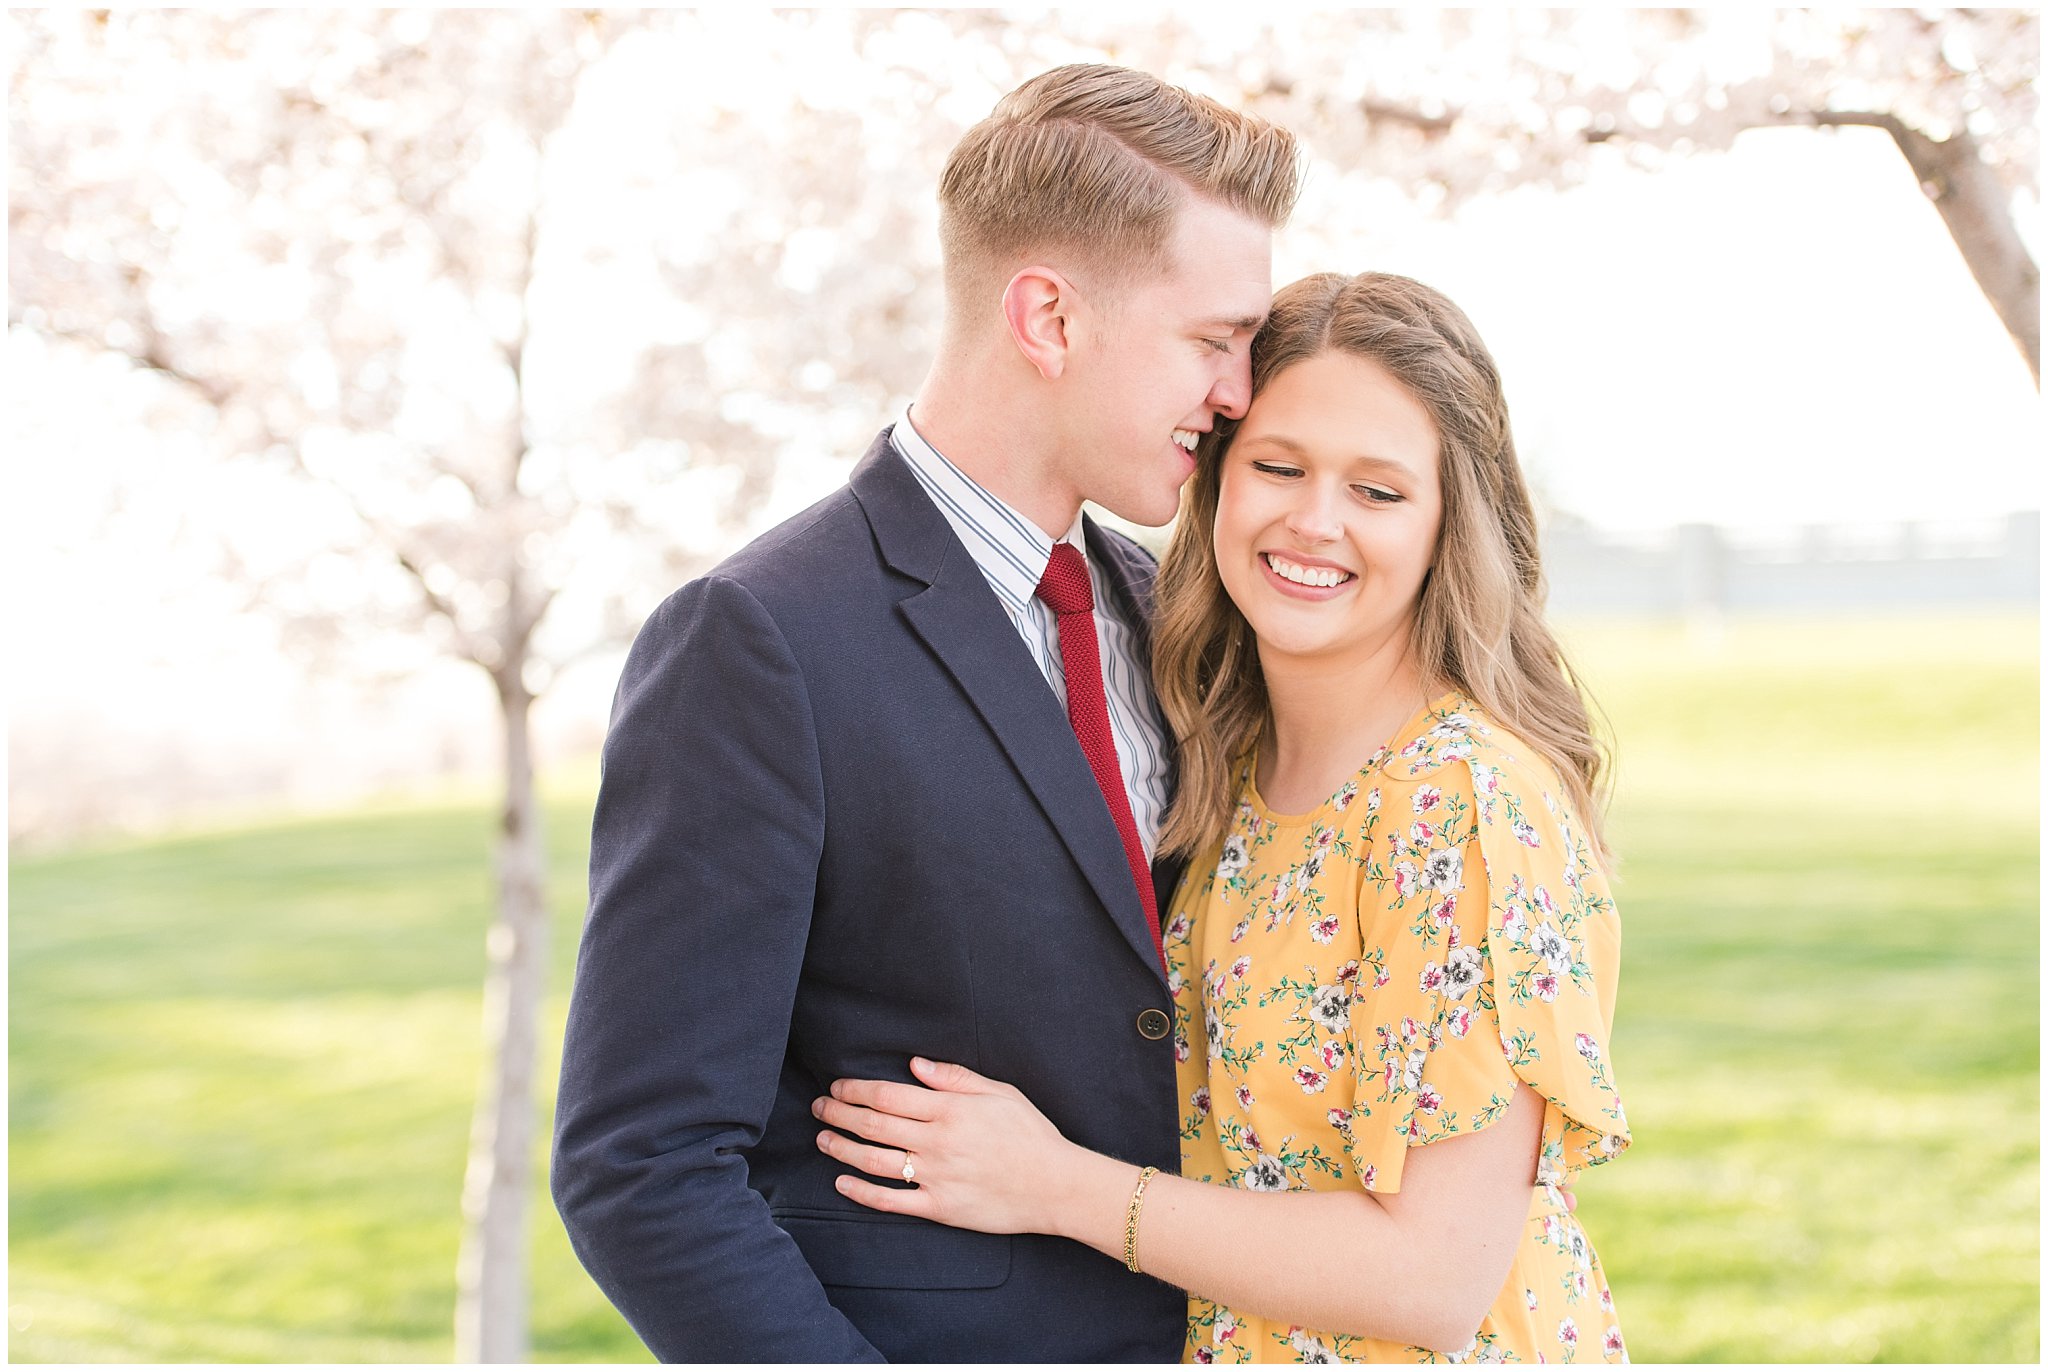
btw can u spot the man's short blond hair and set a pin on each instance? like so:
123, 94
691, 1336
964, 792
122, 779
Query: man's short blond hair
1092, 162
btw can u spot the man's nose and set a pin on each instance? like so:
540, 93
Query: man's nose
1231, 396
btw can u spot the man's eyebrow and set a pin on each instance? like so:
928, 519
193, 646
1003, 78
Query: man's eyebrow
1250, 323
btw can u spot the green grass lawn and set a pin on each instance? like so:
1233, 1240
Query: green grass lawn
242, 1062
1828, 1025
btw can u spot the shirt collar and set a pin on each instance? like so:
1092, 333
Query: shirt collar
1011, 551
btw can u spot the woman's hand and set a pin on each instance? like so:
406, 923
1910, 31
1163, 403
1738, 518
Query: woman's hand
981, 1155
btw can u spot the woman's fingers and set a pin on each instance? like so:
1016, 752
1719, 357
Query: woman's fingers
889, 1097
873, 1125
951, 1076
895, 1200
875, 1161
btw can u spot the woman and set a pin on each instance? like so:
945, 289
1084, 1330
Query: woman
1393, 960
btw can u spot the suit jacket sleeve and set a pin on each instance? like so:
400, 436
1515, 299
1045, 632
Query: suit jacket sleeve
703, 868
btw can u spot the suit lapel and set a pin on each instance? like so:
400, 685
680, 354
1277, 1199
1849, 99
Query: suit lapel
958, 617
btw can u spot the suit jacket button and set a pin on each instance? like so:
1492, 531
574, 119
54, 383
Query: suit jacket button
1153, 1024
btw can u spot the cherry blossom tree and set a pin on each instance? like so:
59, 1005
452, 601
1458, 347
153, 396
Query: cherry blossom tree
1486, 101
362, 249
1462, 103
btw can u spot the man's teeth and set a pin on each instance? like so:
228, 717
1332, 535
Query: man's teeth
1187, 438
1307, 576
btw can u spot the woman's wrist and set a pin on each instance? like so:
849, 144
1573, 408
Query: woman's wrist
1092, 1199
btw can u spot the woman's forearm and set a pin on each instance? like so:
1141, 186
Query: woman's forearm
1421, 1266
1335, 1261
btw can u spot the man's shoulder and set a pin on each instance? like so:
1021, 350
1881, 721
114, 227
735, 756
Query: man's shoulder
1130, 564
1129, 560
812, 566
823, 548
815, 542
1128, 549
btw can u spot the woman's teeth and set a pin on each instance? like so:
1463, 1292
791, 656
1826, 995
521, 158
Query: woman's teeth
1306, 576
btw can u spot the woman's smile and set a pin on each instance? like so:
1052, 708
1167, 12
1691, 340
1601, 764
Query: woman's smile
1308, 578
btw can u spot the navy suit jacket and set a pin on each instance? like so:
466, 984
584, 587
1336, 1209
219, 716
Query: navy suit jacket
844, 820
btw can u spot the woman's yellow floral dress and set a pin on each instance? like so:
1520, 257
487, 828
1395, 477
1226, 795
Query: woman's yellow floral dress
1378, 975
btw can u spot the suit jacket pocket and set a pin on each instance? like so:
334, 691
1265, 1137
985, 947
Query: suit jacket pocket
855, 1250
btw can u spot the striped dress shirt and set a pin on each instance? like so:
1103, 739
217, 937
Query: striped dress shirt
1013, 553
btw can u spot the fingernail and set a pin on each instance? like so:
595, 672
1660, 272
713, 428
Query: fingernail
818, 1107
920, 1062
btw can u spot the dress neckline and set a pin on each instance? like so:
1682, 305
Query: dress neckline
1338, 801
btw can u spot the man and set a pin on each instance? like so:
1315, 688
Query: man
871, 790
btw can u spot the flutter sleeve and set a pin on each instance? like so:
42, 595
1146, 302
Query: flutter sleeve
1492, 952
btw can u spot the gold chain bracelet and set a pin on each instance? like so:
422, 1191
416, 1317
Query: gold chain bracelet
1131, 1214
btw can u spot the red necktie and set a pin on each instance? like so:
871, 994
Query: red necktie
1065, 588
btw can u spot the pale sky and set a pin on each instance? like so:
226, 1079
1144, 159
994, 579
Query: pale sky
1779, 335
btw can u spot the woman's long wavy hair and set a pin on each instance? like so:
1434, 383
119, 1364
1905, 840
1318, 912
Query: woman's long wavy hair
1479, 629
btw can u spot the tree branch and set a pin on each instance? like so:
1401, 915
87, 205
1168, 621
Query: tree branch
149, 358
1854, 119
1974, 207
222, 397
1976, 210
439, 604
1431, 125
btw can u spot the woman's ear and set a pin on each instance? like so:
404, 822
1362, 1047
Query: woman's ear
1038, 305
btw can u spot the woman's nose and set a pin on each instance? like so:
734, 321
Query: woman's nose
1313, 518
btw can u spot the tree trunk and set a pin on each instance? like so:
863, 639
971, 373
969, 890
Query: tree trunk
491, 1308
1975, 209
1978, 212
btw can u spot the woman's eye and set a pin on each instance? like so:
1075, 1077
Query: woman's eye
1274, 469
1376, 495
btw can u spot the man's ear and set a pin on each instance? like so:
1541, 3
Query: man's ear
1038, 305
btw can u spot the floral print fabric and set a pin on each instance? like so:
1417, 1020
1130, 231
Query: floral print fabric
1379, 975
